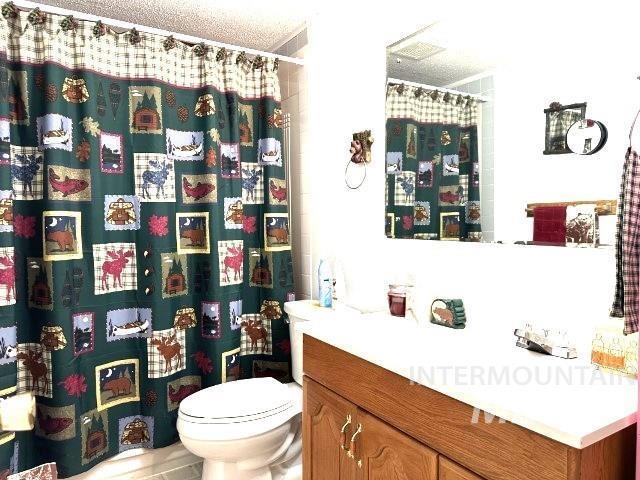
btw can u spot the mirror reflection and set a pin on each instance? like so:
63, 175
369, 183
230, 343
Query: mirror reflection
444, 180
586, 137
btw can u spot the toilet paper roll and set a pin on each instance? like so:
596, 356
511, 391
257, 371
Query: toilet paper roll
17, 413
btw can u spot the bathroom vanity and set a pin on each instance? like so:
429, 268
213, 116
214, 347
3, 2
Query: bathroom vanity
364, 417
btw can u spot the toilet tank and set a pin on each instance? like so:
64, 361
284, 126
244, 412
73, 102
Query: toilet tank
300, 313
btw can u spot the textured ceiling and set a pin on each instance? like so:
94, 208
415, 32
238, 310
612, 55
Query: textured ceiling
261, 25
461, 58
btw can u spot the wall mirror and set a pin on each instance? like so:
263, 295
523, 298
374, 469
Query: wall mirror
465, 158
586, 137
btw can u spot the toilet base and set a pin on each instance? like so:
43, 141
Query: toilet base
212, 470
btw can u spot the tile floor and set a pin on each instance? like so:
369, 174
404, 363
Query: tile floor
189, 472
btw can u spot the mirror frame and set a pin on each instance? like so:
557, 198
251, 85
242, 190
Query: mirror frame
553, 108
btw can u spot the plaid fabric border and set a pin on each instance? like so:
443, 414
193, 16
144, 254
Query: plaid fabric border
630, 247
425, 109
252, 183
161, 357
111, 274
151, 183
27, 178
464, 183
231, 260
25, 383
115, 55
256, 337
405, 189
617, 309
386, 191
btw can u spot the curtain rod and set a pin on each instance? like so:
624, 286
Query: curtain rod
480, 98
25, 4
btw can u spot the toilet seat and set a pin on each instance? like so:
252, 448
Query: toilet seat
238, 409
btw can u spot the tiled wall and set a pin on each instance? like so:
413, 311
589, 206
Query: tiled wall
484, 86
294, 102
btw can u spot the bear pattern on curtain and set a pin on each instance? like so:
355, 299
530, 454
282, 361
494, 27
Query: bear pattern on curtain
145, 235
433, 174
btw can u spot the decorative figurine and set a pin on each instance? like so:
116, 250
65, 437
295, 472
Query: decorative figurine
361, 147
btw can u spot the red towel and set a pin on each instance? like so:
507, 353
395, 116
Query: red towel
550, 225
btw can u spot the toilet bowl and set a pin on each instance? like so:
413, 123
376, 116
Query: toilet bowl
244, 430
250, 429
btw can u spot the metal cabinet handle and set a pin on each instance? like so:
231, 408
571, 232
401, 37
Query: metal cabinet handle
352, 444
343, 433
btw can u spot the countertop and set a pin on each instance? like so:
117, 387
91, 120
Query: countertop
569, 401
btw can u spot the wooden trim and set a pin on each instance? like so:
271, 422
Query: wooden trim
494, 450
603, 207
447, 470
611, 458
572, 106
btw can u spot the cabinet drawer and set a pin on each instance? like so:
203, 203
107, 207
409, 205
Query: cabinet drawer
447, 470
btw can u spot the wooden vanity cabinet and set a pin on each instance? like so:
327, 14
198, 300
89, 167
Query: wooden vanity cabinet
388, 454
447, 470
327, 421
343, 442
362, 422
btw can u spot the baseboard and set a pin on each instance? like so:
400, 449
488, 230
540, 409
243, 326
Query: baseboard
141, 463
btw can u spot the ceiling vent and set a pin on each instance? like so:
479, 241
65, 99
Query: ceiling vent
417, 50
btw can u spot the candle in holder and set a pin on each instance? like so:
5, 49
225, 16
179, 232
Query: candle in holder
397, 297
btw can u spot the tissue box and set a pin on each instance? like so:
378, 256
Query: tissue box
448, 312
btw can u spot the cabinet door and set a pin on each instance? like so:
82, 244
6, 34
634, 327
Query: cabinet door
388, 454
452, 471
325, 414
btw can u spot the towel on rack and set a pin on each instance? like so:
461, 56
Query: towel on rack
550, 224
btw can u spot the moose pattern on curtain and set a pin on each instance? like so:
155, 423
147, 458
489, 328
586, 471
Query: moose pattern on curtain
144, 232
432, 166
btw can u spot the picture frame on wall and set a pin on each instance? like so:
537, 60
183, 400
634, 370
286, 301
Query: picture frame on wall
559, 119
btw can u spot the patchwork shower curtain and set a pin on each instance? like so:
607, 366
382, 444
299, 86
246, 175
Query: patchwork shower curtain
144, 232
433, 172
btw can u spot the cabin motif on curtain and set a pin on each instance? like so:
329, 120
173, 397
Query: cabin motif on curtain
433, 174
144, 232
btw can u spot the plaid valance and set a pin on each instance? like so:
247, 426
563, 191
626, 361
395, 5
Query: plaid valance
424, 106
92, 46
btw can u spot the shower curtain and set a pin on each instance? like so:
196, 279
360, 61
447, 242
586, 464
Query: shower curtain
433, 174
144, 232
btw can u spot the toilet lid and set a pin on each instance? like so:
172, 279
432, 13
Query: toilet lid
239, 400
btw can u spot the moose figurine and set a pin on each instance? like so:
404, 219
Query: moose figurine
169, 347
37, 368
114, 267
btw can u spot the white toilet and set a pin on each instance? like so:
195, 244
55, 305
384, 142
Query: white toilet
250, 429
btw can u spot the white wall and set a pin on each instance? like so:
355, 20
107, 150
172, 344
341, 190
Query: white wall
503, 286
522, 173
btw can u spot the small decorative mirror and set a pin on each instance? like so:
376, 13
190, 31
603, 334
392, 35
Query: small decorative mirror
586, 137
559, 119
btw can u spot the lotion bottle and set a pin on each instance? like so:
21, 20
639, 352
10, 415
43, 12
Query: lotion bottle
325, 284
